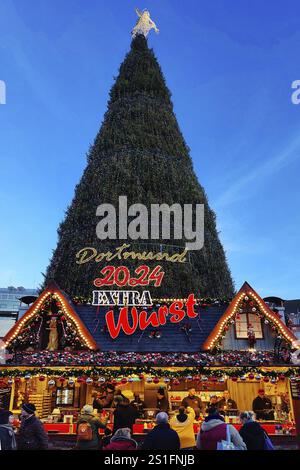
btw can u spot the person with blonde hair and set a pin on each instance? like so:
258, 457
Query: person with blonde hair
251, 432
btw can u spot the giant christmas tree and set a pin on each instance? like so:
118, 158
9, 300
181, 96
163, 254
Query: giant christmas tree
139, 152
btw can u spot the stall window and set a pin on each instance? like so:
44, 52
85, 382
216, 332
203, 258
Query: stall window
65, 396
242, 323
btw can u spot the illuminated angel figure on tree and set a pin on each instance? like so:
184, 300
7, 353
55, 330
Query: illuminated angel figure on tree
144, 24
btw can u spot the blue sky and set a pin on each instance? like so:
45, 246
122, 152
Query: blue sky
229, 65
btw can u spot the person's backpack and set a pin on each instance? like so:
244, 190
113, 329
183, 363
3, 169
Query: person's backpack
84, 432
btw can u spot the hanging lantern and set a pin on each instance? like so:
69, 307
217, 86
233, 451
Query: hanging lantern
42, 378
89, 380
166, 380
124, 381
156, 380
51, 383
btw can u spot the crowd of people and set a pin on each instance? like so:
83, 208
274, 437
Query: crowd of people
111, 358
168, 434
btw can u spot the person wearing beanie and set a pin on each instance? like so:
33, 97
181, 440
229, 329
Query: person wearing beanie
162, 437
214, 430
32, 435
121, 440
87, 417
183, 424
7, 435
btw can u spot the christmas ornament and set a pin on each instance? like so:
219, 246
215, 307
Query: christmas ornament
51, 383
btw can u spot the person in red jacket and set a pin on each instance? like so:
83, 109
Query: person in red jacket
213, 430
121, 440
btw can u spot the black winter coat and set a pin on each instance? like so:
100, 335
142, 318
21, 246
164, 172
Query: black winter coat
162, 437
32, 435
253, 435
124, 417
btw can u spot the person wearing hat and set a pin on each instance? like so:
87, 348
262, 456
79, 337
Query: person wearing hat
88, 437
7, 435
262, 406
32, 435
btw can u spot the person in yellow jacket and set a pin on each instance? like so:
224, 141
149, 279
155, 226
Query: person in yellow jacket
183, 424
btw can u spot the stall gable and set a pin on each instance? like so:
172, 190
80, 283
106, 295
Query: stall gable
248, 323
51, 311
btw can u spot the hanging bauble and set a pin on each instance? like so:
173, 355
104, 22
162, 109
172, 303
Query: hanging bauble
243, 377
101, 380
141, 377
80, 380
10, 381
51, 383
221, 380
124, 381
62, 379
89, 380
241, 310
176, 382
166, 380
156, 380
149, 380
196, 378
204, 378
71, 382
266, 379
42, 378
214, 379
17, 380
266, 322
273, 380
246, 298
130, 379
281, 377
251, 376
257, 377
254, 309
27, 377
189, 377
114, 382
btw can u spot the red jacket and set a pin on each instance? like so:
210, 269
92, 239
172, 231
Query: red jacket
121, 444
